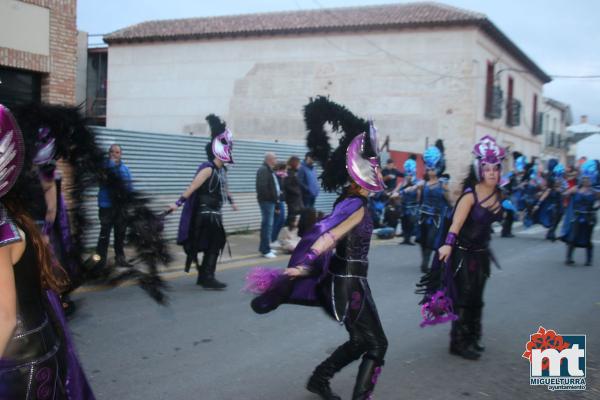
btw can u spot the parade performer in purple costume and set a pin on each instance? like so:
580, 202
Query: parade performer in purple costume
329, 265
580, 218
201, 224
454, 287
38, 359
435, 204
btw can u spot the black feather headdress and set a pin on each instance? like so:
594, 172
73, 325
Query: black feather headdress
318, 112
76, 145
216, 125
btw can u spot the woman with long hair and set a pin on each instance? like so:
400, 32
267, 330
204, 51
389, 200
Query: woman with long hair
37, 355
454, 287
329, 266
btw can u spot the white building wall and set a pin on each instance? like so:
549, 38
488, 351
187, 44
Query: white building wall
259, 85
553, 123
419, 85
518, 138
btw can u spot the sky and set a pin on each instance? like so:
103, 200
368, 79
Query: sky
561, 36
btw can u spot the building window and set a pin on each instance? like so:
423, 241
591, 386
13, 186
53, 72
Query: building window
19, 87
489, 89
534, 119
509, 102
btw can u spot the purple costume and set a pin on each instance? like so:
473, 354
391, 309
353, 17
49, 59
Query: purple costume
40, 360
338, 283
462, 278
337, 279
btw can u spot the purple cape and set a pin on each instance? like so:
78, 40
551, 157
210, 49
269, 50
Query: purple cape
76, 384
188, 211
304, 290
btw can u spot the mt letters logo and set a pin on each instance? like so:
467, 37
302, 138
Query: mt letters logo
556, 361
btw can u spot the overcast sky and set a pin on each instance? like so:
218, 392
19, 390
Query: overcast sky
561, 36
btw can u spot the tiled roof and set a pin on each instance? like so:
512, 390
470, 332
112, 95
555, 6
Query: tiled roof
346, 19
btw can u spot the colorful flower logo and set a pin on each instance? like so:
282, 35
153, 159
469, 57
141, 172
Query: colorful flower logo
545, 339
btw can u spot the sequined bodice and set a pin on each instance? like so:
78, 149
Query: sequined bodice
583, 202
409, 198
355, 245
476, 231
433, 196
212, 192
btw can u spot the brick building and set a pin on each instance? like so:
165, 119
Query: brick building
38, 51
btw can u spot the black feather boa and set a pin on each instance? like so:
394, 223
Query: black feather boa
76, 145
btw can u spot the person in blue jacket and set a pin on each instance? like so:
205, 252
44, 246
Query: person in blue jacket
109, 216
307, 177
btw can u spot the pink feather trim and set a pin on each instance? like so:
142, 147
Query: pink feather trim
261, 279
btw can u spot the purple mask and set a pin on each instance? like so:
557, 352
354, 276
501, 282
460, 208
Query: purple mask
45, 147
366, 172
488, 152
222, 146
11, 150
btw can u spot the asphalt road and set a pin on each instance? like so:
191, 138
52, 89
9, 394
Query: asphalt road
210, 345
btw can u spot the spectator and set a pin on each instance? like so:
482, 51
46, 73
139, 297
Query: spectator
307, 177
292, 190
289, 234
390, 175
267, 193
279, 221
109, 215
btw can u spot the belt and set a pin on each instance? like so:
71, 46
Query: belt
343, 268
35, 345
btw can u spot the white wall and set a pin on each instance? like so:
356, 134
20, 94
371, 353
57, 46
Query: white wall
525, 85
259, 85
589, 147
81, 72
24, 27
418, 85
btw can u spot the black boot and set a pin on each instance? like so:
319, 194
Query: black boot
425, 254
589, 251
189, 259
460, 339
368, 372
318, 383
207, 279
507, 224
475, 328
569, 260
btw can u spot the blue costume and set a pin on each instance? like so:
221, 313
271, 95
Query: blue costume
434, 209
410, 203
580, 217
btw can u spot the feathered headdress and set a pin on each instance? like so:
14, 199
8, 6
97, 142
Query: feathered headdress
356, 155
75, 143
12, 150
434, 158
410, 166
221, 145
487, 151
520, 161
589, 169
